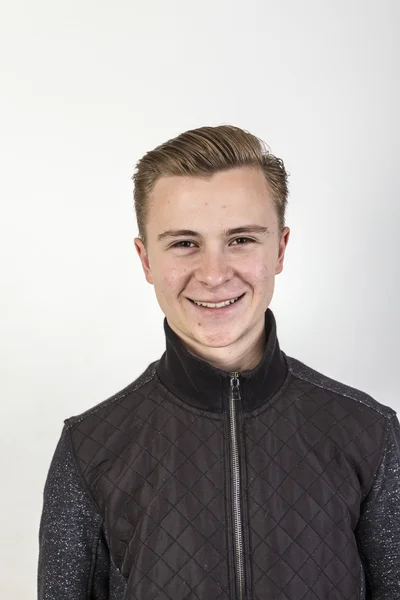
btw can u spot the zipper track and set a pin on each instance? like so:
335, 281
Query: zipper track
235, 468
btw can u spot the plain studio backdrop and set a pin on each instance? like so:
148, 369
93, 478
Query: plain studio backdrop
87, 87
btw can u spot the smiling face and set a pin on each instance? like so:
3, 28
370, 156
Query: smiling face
213, 240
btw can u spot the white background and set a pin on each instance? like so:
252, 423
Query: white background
89, 86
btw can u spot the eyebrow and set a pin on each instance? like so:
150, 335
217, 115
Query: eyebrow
228, 232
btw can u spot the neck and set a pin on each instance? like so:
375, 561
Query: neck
202, 384
244, 356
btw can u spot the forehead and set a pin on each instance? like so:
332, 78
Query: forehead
239, 189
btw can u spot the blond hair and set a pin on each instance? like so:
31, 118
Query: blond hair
203, 152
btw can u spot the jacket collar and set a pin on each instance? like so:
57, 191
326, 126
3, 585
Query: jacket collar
203, 386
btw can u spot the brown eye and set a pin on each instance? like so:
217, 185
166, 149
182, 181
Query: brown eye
178, 244
243, 238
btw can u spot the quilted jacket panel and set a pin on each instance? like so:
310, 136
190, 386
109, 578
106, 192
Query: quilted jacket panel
138, 501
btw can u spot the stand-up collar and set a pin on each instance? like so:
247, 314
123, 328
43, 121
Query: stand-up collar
202, 385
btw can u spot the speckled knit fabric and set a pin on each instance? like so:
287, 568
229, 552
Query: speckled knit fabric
144, 499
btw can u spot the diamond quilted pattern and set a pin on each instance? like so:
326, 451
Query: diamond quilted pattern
163, 494
158, 471
303, 493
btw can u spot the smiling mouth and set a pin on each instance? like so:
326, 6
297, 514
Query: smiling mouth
216, 304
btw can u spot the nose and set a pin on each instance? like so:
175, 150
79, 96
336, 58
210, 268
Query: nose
213, 268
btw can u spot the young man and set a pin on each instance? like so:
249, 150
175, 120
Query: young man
227, 470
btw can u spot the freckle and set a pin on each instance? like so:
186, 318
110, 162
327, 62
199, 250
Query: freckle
199, 324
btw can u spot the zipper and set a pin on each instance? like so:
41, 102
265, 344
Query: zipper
234, 400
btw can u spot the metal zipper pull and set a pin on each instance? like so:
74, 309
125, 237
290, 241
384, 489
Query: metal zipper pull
236, 489
235, 385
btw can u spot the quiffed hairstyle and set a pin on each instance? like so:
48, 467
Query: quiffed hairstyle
203, 152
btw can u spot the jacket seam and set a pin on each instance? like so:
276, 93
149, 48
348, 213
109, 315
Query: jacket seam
384, 449
99, 517
326, 386
82, 478
129, 389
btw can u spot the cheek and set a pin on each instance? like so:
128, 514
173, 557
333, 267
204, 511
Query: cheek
257, 271
173, 278
265, 273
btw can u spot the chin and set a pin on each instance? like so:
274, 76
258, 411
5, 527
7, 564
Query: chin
215, 339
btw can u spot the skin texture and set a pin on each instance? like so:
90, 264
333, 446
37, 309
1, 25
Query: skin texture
212, 266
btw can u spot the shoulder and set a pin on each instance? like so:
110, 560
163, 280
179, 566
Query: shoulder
308, 377
134, 391
355, 423
101, 434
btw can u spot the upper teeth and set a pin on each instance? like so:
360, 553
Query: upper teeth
219, 305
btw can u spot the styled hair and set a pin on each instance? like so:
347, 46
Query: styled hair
203, 152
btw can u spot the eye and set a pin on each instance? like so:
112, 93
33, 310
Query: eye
178, 244
242, 241
243, 238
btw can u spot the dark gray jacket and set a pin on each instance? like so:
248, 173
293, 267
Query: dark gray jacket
194, 483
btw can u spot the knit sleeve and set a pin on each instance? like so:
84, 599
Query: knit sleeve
378, 529
73, 554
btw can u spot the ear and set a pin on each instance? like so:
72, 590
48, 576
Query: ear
144, 259
282, 248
